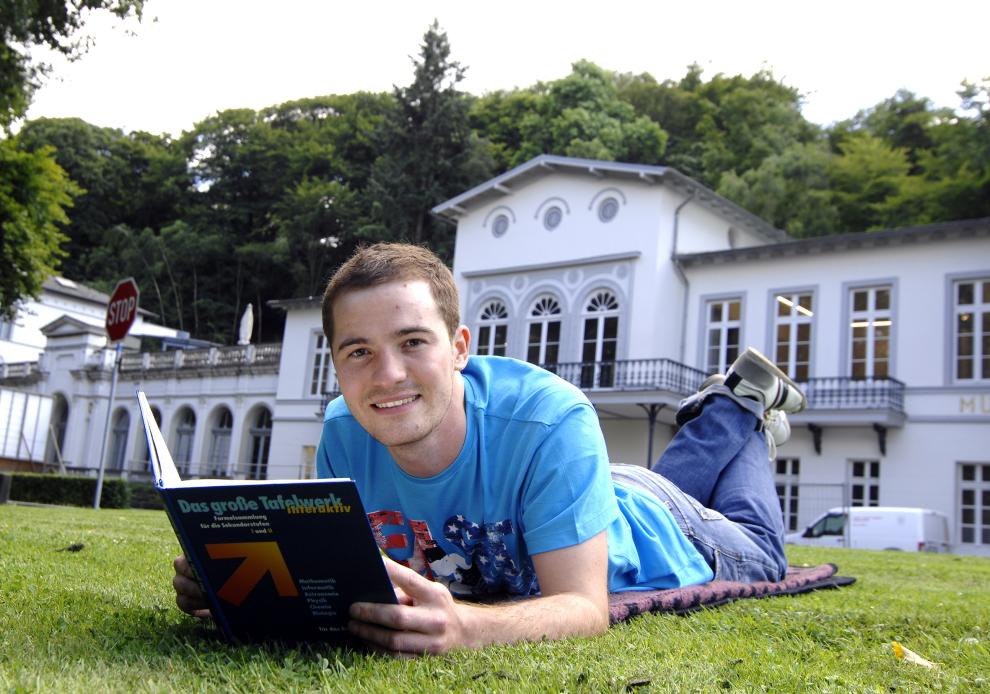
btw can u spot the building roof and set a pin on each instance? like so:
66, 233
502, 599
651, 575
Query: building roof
69, 325
300, 302
80, 292
942, 231
547, 164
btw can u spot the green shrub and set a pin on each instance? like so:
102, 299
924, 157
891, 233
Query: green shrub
68, 490
144, 495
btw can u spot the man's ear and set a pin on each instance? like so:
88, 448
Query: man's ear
461, 346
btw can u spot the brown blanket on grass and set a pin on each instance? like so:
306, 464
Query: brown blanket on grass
799, 579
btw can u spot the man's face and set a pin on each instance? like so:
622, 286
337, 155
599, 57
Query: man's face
398, 368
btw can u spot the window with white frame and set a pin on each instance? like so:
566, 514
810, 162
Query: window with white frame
724, 318
786, 474
864, 483
972, 330
792, 333
974, 503
220, 443
185, 430
870, 329
600, 341
543, 345
493, 328
320, 381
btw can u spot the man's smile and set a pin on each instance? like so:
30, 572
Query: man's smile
394, 403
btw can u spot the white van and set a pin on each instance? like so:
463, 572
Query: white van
877, 527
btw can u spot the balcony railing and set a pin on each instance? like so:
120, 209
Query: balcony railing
843, 393
832, 393
19, 370
631, 375
212, 357
647, 375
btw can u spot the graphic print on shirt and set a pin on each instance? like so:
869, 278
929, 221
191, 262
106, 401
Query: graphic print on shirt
486, 565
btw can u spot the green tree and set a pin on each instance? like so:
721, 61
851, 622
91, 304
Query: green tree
903, 121
723, 124
315, 224
947, 155
34, 194
868, 179
428, 152
958, 164
24, 24
332, 137
677, 108
791, 190
135, 179
54, 24
580, 115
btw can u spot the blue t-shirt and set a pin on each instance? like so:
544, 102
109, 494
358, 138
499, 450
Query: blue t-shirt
532, 477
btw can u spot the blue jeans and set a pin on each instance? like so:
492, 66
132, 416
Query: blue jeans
715, 478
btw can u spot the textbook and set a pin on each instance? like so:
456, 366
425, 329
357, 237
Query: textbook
278, 559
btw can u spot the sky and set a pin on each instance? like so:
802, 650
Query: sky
189, 59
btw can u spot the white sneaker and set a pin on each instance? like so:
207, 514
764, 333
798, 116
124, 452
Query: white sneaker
777, 430
754, 376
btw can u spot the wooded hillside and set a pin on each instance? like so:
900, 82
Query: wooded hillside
250, 205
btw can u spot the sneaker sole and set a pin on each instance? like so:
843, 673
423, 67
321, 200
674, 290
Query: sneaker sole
753, 366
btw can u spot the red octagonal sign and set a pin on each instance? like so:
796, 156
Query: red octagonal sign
122, 309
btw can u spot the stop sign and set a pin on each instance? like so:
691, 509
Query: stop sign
122, 309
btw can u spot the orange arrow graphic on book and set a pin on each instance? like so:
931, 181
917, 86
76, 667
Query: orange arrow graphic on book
260, 558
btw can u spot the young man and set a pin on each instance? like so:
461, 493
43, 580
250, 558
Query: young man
488, 476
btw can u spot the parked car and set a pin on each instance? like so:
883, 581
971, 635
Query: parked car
877, 527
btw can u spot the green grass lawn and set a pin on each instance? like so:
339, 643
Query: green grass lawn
103, 619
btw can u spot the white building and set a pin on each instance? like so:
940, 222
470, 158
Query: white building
22, 339
635, 282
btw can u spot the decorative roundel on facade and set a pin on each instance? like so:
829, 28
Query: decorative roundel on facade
608, 209
500, 225
552, 218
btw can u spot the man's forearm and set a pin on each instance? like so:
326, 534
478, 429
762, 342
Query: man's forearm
532, 619
427, 619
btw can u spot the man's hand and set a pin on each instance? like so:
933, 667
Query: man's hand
188, 595
427, 619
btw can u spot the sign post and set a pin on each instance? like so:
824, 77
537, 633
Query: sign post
121, 312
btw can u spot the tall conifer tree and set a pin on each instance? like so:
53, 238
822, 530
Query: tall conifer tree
429, 152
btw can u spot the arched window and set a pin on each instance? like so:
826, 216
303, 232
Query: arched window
219, 455
543, 346
56, 431
599, 346
141, 452
493, 328
118, 441
185, 430
261, 438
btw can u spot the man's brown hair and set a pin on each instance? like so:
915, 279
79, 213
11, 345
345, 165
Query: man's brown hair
371, 266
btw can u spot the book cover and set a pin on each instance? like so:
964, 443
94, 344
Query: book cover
278, 559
